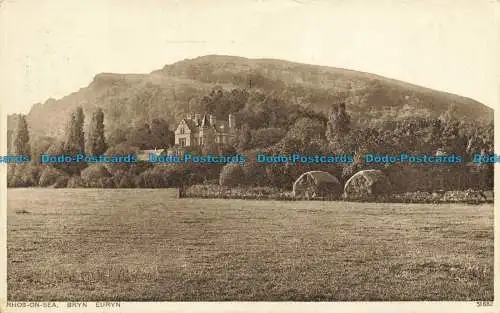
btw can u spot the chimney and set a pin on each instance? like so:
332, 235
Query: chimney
189, 116
212, 119
197, 118
232, 121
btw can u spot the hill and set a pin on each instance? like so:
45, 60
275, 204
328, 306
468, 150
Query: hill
177, 88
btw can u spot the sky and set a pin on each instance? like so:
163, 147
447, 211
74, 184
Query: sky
50, 48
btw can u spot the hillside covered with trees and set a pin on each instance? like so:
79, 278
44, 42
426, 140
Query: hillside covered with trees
280, 108
135, 99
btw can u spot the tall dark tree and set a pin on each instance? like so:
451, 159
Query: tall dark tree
244, 138
452, 141
338, 125
20, 143
80, 119
75, 140
96, 143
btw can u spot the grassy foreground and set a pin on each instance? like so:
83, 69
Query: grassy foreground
139, 244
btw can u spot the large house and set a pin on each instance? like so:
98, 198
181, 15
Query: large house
195, 130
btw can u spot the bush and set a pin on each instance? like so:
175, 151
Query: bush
190, 173
123, 150
431, 177
254, 173
152, 178
124, 179
107, 182
231, 175
61, 182
96, 176
23, 175
75, 182
50, 176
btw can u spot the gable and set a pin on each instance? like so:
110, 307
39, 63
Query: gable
183, 125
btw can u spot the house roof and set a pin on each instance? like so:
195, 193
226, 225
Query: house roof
219, 126
191, 124
205, 121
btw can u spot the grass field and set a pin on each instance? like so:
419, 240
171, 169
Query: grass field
137, 244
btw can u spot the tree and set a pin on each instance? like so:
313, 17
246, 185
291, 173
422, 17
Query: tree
40, 145
96, 143
338, 123
21, 137
244, 138
266, 137
338, 128
450, 114
74, 143
140, 137
308, 133
161, 135
118, 136
75, 140
209, 146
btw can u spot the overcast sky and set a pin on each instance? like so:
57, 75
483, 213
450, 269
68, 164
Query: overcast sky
51, 48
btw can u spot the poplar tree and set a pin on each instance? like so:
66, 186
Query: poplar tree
338, 124
20, 144
75, 141
96, 143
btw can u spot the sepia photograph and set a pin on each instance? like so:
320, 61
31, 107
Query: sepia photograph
248, 151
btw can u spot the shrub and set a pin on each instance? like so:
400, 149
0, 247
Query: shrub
151, 178
61, 182
126, 181
231, 175
124, 149
49, 176
75, 182
29, 174
96, 176
254, 174
23, 175
107, 182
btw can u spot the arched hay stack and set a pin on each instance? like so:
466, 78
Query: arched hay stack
317, 184
367, 184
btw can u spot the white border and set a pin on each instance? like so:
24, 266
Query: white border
238, 307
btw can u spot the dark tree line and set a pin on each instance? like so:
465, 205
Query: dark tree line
265, 123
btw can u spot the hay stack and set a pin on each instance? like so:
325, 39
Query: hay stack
317, 184
367, 184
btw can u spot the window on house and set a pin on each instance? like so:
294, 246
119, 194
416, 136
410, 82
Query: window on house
182, 142
182, 130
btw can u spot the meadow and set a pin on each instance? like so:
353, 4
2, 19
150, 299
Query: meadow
147, 245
